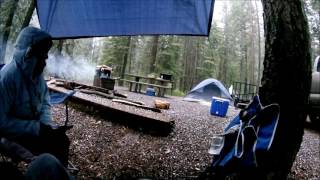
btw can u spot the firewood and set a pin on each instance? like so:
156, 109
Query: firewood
116, 93
161, 104
136, 105
86, 91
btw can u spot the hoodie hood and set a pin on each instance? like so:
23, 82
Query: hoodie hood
30, 37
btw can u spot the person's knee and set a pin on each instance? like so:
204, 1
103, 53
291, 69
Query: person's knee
46, 166
47, 160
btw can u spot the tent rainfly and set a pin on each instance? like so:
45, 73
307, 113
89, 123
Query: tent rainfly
206, 89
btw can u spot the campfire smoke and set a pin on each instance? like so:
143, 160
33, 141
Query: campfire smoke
77, 69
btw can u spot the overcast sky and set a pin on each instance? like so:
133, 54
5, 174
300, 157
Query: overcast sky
218, 12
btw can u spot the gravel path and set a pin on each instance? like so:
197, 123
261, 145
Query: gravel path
105, 149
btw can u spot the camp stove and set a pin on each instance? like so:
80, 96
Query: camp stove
102, 77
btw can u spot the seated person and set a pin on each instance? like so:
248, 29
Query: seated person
25, 110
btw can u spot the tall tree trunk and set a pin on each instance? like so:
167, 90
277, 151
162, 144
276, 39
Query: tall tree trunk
69, 45
183, 64
60, 47
125, 60
318, 26
243, 56
259, 46
190, 62
131, 52
252, 51
154, 50
6, 33
29, 13
286, 77
221, 63
222, 72
245, 64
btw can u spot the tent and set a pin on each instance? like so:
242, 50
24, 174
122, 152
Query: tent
206, 89
92, 18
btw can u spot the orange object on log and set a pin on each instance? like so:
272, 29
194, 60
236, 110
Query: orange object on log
161, 104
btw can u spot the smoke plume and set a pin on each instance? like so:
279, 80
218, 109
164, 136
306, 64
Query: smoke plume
76, 69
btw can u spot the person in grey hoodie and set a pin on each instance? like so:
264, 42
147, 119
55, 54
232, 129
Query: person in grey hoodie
25, 115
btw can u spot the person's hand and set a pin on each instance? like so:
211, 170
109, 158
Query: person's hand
15, 151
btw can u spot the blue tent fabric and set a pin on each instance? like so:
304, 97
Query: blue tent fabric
208, 88
83, 18
1, 65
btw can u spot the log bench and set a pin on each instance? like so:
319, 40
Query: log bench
138, 85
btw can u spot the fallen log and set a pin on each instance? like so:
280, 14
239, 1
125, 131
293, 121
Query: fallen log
105, 95
72, 85
136, 105
86, 91
116, 93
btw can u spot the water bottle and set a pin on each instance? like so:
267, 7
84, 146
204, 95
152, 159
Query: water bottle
216, 145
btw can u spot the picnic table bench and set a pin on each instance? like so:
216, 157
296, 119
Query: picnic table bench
138, 86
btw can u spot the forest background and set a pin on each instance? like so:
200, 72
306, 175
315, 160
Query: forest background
232, 52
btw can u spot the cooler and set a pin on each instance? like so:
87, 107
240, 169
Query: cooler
219, 106
150, 92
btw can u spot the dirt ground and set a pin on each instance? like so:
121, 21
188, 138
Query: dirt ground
105, 149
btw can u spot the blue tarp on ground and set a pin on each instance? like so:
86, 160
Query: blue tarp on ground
87, 18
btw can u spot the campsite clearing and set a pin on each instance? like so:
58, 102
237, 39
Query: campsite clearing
104, 149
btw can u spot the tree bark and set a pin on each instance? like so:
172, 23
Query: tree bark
131, 52
28, 16
154, 50
286, 78
190, 62
6, 32
60, 47
125, 60
259, 46
252, 49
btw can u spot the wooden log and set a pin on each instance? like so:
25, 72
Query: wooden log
75, 84
136, 105
161, 104
86, 91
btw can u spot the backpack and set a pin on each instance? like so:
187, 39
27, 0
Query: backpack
247, 140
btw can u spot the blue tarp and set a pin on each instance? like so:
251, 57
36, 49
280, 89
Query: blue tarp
87, 18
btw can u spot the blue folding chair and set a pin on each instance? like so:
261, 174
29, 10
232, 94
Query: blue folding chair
59, 98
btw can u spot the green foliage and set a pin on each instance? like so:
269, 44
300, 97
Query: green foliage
177, 92
168, 55
113, 53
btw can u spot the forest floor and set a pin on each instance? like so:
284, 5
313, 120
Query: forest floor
105, 149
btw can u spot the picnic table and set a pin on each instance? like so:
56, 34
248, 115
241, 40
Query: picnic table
154, 82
